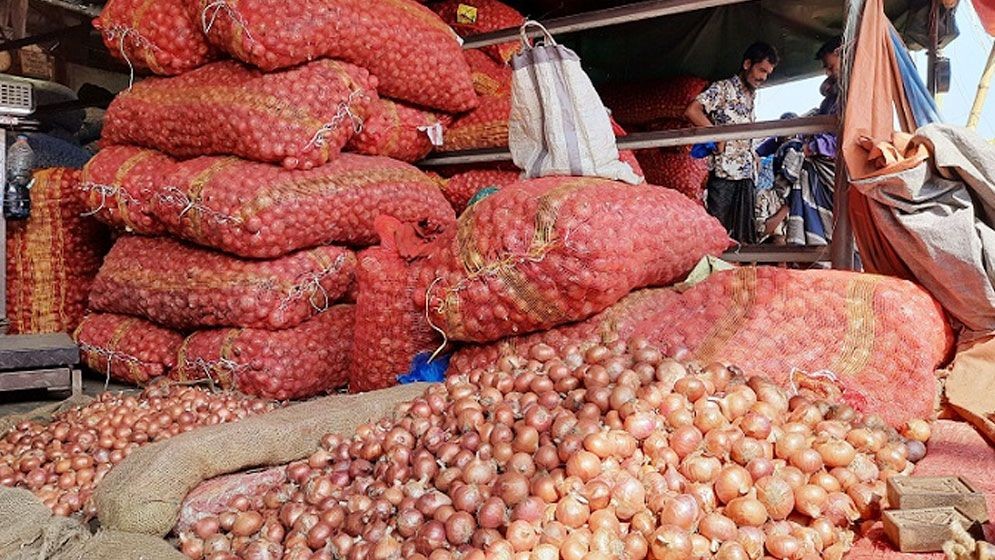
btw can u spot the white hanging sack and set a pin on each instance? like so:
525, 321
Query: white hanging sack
558, 125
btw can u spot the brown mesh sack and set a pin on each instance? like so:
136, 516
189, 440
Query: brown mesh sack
473, 17
262, 211
126, 348
183, 287
391, 328
490, 77
158, 35
52, 257
877, 339
300, 117
144, 493
118, 184
642, 104
309, 359
674, 168
399, 131
414, 54
549, 251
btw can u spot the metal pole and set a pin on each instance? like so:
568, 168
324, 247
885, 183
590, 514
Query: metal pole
979, 98
842, 245
3, 233
934, 46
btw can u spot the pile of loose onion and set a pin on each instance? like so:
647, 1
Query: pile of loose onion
62, 462
607, 451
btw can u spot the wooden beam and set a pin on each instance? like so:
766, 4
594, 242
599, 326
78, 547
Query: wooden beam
601, 18
778, 254
86, 10
44, 37
668, 138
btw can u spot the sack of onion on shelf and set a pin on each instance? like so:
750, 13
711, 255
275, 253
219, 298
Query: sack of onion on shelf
400, 131
473, 17
126, 348
63, 461
611, 452
639, 105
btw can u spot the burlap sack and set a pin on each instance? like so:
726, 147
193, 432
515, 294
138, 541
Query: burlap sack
144, 493
29, 531
44, 413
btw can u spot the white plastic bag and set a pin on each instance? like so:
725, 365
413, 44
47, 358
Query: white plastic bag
558, 125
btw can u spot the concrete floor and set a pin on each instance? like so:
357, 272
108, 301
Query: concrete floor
19, 402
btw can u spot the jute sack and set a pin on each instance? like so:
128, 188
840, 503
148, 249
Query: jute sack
144, 493
29, 531
44, 413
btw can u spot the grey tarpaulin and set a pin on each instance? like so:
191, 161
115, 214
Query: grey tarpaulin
939, 216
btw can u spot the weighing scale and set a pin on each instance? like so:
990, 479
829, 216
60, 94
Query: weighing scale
28, 361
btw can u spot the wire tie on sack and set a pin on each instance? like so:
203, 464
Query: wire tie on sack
310, 284
344, 110
120, 33
428, 318
218, 6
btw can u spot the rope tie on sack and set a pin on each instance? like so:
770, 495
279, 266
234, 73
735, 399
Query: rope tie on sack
176, 197
208, 367
428, 319
343, 112
310, 286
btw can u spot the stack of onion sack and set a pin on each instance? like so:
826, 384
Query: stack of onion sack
301, 117
52, 257
63, 461
638, 106
549, 251
675, 168
118, 185
158, 35
298, 362
876, 339
464, 182
474, 17
391, 328
400, 131
413, 54
126, 348
610, 452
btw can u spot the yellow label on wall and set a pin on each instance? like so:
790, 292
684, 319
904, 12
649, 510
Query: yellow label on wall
466, 14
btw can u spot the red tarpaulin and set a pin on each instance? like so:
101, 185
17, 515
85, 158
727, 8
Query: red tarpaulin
986, 13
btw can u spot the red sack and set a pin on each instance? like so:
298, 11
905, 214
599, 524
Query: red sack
474, 17
118, 185
300, 117
126, 348
641, 104
399, 131
460, 188
674, 168
414, 54
158, 35
876, 340
548, 251
258, 210
184, 287
391, 329
52, 257
296, 363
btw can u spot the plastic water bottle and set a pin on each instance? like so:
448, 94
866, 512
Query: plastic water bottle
20, 164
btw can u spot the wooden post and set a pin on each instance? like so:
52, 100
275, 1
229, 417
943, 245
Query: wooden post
979, 98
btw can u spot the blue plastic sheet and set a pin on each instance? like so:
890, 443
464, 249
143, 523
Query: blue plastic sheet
923, 107
424, 370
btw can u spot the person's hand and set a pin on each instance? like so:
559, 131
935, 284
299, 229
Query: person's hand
720, 147
771, 224
807, 151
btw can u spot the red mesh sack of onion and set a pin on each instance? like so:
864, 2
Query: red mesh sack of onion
307, 360
414, 55
183, 287
126, 348
301, 117
262, 211
544, 252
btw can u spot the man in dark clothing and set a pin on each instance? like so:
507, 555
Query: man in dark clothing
733, 165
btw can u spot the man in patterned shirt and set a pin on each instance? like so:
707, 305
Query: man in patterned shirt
733, 165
